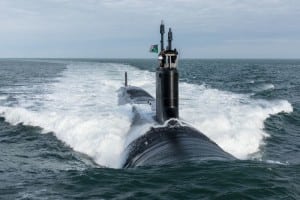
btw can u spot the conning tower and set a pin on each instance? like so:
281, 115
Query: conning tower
167, 80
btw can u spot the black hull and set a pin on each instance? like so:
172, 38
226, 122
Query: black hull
173, 144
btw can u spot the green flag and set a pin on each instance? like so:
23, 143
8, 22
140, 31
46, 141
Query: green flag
154, 48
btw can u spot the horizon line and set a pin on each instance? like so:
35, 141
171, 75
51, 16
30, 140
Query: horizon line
208, 58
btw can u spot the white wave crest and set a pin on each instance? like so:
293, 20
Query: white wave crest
264, 87
2, 97
233, 121
81, 109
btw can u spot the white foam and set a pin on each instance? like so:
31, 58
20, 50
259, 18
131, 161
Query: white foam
234, 121
276, 162
81, 110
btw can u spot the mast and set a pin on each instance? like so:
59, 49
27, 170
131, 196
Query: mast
170, 38
162, 32
167, 81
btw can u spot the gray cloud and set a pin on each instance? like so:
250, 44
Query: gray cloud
106, 28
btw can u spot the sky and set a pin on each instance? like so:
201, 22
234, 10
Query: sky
127, 28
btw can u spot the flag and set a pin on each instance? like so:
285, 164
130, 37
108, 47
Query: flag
154, 48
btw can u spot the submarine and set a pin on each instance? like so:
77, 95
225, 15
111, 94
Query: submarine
169, 140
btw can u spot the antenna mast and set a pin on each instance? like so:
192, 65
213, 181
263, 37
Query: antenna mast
162, 32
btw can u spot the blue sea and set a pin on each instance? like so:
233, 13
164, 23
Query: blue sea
63, 134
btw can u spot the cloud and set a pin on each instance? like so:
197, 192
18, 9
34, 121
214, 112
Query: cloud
115, 25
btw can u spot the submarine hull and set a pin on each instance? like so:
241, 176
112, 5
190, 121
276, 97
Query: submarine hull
174, 141
172, 144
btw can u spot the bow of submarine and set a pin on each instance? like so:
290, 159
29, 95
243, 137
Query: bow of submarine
169, 143
173, 144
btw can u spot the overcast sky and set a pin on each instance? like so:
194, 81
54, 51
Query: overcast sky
127, 28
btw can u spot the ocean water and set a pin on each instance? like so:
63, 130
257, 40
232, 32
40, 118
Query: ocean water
63, 134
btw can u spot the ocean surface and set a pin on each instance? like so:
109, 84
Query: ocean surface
63, 134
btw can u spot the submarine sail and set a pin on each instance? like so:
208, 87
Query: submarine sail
169, 140
167, 81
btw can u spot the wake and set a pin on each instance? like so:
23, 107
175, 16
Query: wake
81, 109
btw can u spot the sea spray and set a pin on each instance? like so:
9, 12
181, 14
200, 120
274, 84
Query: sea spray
81, 109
